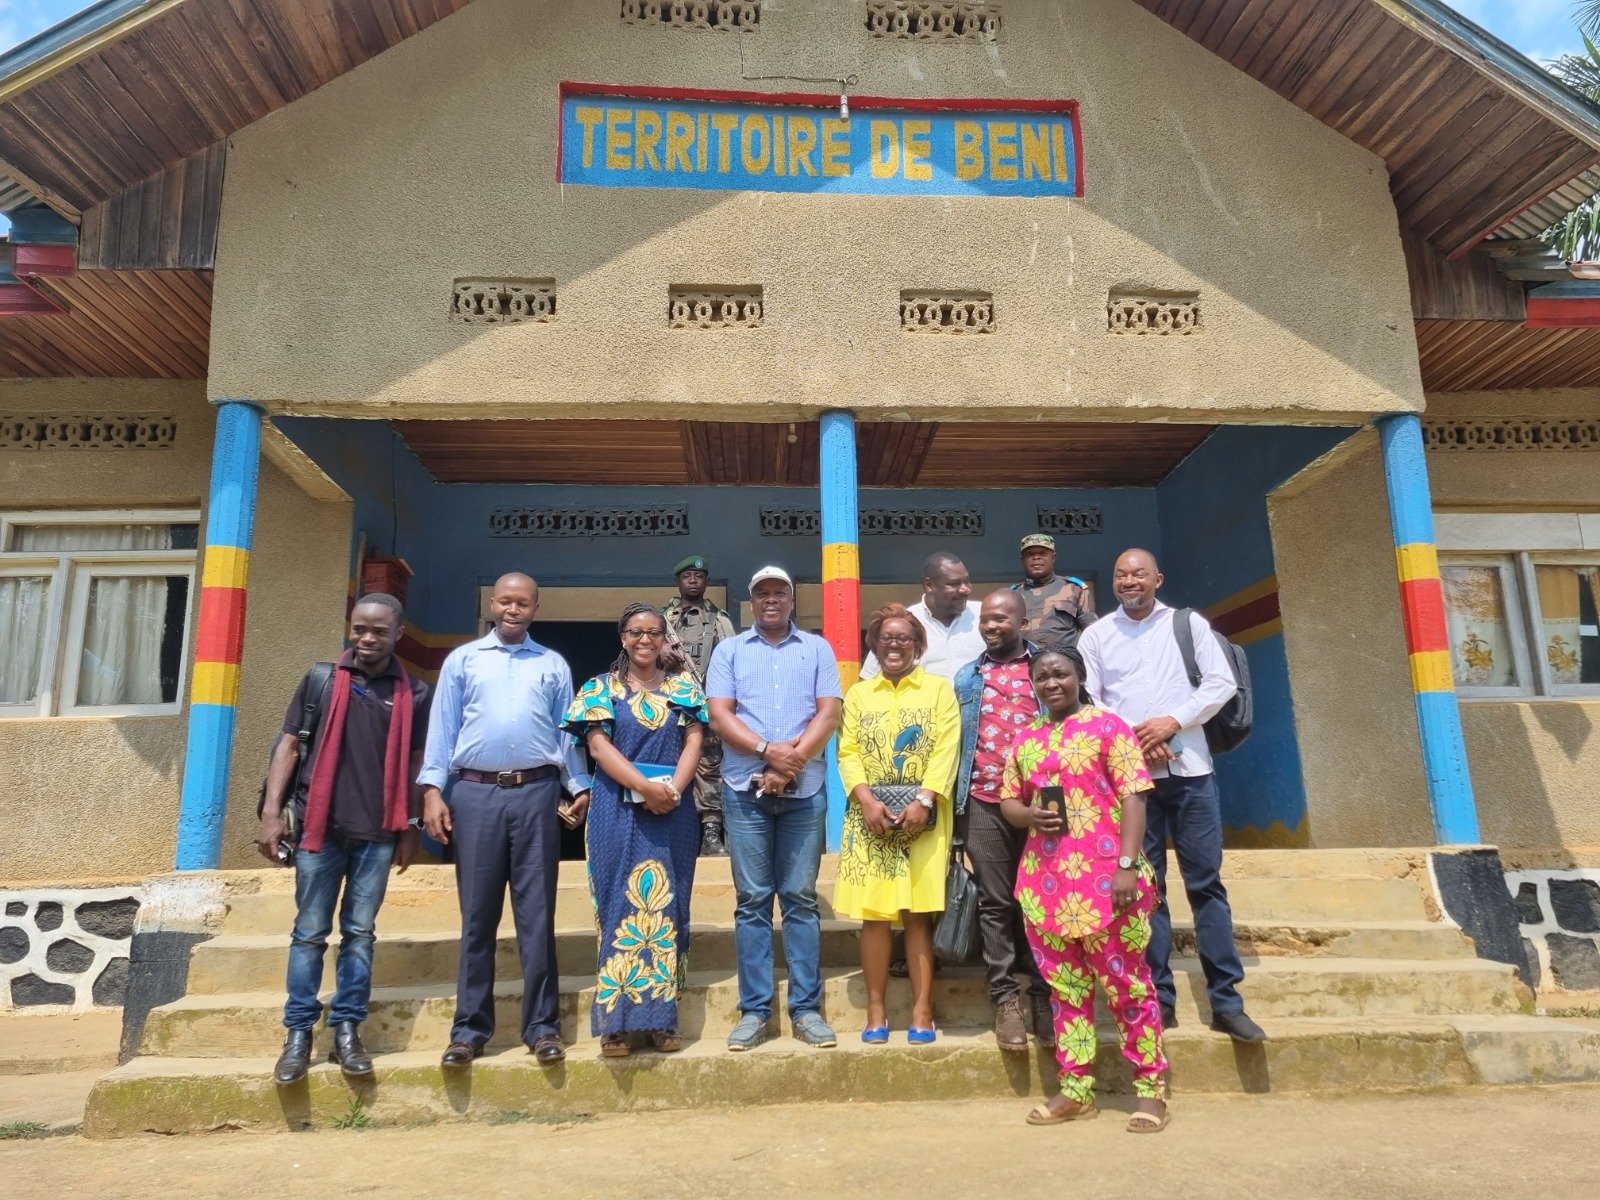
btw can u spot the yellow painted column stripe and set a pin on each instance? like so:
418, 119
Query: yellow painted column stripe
849, 675
841, 560
1430, 671
225, 566
1417, 560
215, 683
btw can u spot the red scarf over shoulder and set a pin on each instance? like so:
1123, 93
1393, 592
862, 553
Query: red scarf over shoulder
396, 782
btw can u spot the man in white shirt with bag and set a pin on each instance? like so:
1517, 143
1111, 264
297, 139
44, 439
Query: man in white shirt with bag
1136, 668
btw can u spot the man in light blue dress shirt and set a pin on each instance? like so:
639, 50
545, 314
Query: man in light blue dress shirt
496, 725
775, 700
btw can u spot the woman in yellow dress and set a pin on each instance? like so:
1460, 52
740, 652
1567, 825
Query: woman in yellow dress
901, 729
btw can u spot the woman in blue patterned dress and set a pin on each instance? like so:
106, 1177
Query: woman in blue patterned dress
643, 722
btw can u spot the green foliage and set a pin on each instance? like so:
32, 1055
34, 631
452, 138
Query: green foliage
354, 1117
1577, 235
16, 1131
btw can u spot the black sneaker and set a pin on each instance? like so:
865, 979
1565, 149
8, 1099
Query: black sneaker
1169, 1017
1238, 1026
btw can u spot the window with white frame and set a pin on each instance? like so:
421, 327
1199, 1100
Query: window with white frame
1521, 593
94, 611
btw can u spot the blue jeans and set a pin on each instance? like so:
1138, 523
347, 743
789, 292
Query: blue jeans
1189, 810
775, 844
362, 869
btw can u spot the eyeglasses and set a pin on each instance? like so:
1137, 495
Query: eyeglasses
642, 635
897, 639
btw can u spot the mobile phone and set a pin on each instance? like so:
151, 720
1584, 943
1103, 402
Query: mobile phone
1053, 798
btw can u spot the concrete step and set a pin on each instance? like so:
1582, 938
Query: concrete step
184, 1095
1310, 900
250, 962
60, 1042
247, 1024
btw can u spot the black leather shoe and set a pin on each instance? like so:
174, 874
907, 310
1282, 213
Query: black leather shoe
348, 1051
1238, 1026
295, 1060
460, 1054
548, 1050
711, 843
1169, 1017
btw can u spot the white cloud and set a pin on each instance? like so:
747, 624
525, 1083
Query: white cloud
1541, 29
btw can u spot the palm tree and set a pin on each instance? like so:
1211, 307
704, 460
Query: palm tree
1577, 236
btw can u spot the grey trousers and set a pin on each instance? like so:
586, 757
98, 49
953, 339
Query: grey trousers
507, 836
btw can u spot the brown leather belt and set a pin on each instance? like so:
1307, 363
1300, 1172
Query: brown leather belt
510, 778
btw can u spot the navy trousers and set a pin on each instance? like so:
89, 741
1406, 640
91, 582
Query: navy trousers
507, 836
1189, 811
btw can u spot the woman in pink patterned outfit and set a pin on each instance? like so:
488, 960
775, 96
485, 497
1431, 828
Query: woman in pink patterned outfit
1085, 889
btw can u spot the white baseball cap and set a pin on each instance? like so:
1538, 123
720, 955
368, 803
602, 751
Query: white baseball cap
770, 573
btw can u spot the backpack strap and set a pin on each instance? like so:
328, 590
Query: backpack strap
1183, 631
319, 686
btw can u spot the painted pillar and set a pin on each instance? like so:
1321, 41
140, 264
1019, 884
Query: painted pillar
1444, 751
841, 576
219, 639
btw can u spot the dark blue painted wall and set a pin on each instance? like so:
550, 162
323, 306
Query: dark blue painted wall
1216, 541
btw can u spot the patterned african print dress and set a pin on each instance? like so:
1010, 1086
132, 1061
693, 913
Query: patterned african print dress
641, 865
905, 732
1064, 888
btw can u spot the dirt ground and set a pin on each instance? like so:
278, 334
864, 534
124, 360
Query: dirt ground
1502, 1141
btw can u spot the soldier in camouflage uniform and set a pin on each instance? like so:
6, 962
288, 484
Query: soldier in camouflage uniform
696, 625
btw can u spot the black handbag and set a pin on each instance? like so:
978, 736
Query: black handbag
955, 937
897, 797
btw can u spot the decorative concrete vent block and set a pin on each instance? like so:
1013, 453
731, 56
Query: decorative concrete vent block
1070, 521
933, 20
666, 521
693, 14
1164, 315
878, 522
88, 433
503, 301
714, 308
1511, 434
946, 312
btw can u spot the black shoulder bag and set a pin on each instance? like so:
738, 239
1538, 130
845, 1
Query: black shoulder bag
319, 683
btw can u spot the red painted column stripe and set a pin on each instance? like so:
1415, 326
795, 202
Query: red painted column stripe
1422, 604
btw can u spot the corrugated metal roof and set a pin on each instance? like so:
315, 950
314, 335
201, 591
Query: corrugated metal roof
1552, 208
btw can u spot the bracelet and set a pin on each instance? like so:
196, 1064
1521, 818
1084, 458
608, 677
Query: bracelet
672, 790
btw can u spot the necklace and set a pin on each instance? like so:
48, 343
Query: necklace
649, 686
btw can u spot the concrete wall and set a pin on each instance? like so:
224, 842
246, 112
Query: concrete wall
347, 214
97, 797
1534, 762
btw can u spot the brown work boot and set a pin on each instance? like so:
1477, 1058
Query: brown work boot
1009, 1029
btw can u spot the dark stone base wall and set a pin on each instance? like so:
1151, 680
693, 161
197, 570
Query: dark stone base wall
65, 948
1558, 912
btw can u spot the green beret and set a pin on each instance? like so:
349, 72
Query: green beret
693, 563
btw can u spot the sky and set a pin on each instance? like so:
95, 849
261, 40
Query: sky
1540, 29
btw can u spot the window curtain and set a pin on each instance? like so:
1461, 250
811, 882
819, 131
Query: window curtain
24, 607
120, 662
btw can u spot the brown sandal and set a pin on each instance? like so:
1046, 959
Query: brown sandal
615, 1045
1043, 1116
666, 1041
1145, 1122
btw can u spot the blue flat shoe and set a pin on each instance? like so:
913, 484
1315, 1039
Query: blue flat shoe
922, 1037
877, 1035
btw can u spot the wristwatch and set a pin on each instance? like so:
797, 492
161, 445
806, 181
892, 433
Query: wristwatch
415, 823
1125, 863
925, 800
761, 748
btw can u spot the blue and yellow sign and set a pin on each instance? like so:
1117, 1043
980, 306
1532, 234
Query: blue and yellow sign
663, 138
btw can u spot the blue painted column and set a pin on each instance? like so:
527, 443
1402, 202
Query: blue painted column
1444, 750
841, 576
219, 635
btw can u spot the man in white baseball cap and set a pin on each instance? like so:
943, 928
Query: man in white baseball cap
775, 700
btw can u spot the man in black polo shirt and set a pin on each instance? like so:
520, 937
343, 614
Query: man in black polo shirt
358, 811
